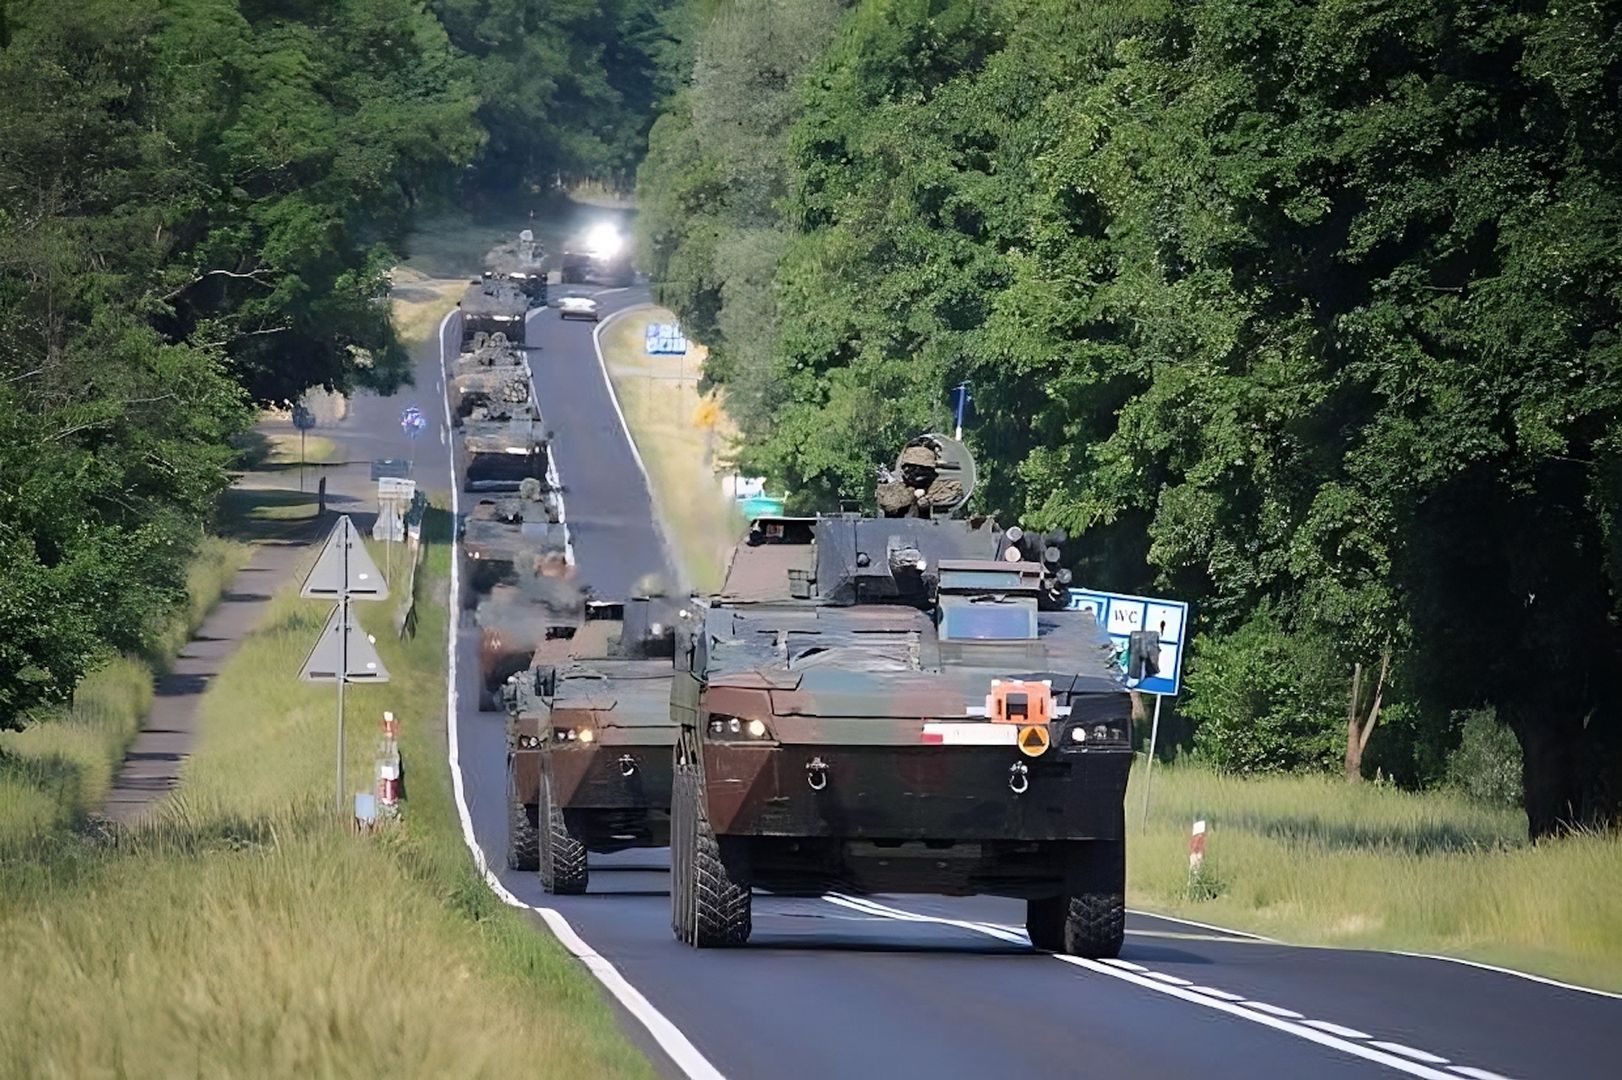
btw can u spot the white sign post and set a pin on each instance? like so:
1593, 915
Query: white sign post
344, 653
1120, 616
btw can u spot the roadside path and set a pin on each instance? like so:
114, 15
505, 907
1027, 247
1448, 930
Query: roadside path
153, 762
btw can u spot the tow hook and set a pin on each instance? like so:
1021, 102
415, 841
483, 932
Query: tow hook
627, 765
1019, 780
816, 773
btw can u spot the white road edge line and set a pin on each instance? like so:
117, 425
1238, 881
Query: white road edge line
1511, 971
1337, 1029
1300, 1030
669, 1037
674, 563
1203, 926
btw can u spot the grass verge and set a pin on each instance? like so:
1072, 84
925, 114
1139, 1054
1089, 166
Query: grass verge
683, 439
55, 771
245, 933
1314, 860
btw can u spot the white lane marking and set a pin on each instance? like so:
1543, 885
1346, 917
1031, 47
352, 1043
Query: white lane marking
1337, 1029
669, 1037
1408, 1051
442, 435
1203, 926
1126, 965
552, 479
1511, 971
1476, 1074
1545, 980
1174, 980
1304, 1030
1211, 991
1288, 1014
665, 540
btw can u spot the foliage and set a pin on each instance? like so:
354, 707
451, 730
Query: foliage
563, 87
193, 195
1264, 700
1487, 763
1290, 305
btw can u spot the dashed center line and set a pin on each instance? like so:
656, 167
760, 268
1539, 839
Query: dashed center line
1408, 1051
1393, 1055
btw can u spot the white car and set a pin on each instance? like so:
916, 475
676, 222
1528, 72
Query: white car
577, 307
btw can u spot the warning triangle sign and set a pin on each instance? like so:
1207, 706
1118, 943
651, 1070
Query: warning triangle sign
344, 569
1033, 741
344, 647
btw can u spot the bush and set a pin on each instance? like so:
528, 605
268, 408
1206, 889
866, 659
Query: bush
1263, 699
1487, 763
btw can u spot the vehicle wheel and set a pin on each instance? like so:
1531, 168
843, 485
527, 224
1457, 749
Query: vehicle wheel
1089, 918
523, 838
710, 903
562, 855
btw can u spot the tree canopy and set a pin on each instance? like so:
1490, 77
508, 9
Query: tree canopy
1303, 310
199, 204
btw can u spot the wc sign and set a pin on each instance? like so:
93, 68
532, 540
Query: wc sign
1120, 615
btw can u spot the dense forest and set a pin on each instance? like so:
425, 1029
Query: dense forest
1305, 311
199, 203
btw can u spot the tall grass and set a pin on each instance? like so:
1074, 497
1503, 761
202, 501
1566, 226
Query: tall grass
1315, 860
61, 767
244, 932
660, 407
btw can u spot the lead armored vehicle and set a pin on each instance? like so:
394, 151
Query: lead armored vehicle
493, 304
899, 703
589, 741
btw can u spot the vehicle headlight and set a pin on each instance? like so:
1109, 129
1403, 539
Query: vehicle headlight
574, 734
528, 742
732, 727
1113, 733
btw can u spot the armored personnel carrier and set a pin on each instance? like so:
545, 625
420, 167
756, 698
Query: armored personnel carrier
493, 304
899, 704
523, 263
589, 741
499, 455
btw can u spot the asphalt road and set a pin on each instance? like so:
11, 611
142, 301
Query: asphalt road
945, 988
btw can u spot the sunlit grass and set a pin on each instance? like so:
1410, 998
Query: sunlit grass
663, 409
1312, 859
245, 932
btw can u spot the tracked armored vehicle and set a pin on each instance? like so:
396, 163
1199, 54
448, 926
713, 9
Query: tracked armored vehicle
899, 704
493, 304
589, 741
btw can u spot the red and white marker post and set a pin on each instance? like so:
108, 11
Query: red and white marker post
1196, 849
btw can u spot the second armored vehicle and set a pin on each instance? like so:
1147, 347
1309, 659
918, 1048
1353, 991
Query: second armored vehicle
589, 741
493, 304
899, 704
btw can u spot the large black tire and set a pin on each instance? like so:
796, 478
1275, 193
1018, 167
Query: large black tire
562, 855
1089, 918
711, 905
523, 838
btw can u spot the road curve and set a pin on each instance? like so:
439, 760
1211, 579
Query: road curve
923, 986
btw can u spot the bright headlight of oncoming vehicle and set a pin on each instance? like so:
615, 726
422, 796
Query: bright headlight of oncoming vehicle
733, 727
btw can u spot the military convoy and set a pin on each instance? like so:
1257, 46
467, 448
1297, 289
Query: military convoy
890, 703
899, 704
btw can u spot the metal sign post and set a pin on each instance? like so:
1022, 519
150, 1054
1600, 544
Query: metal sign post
344, 653
1165, 624
303, 420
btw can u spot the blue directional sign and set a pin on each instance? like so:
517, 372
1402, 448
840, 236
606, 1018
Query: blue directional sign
666, 339
303, 419
413, 422
1120, 614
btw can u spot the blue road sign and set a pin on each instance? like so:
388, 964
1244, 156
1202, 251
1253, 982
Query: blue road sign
1120, 614
666, 339
413, 422
303, 419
